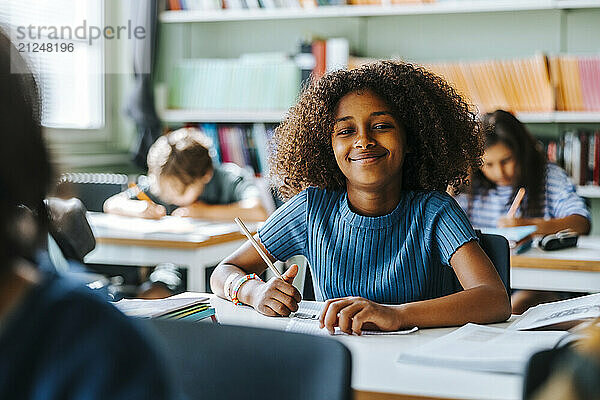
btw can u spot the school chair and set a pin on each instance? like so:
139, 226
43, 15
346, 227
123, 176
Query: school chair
495, 246
497, 249
210, 361
92, 188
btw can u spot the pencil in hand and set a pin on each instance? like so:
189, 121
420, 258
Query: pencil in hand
516, 203
260, 251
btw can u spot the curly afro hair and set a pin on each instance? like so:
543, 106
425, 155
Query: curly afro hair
441, 130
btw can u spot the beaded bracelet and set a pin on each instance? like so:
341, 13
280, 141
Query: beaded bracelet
238, 285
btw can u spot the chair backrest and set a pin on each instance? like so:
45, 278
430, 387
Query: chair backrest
94, 188
497, 249
495, 246
210, 361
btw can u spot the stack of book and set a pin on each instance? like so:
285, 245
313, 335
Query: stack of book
251, 82
578, 153
188, 309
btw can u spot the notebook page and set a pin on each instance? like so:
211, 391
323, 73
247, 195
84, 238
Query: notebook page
483, 348
306, 320
559, 311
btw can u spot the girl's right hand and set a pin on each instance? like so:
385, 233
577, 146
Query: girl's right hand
277, 297
153, 210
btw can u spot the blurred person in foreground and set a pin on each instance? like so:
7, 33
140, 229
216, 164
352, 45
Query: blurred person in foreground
567, 373
57, 339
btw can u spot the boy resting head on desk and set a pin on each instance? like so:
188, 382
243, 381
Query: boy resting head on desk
183, 181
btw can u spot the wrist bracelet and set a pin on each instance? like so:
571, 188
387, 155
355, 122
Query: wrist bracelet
228, 284
238, 285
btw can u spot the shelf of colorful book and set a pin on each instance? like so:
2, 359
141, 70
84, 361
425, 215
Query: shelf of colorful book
333, 11
589, 191
237, 116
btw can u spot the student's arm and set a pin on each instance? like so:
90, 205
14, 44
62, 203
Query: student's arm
483, 300
121, 204
273, 298
577, 223
250, 209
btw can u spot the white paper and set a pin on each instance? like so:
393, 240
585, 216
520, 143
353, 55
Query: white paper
559, 311
166, 228
306, 320
483, 348
152, 308
142, 225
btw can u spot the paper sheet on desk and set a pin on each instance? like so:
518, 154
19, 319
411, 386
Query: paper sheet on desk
483, 348
547, 314
306, 320
168, 224
142, 225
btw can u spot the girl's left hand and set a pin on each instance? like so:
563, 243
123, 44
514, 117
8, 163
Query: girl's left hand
352, 314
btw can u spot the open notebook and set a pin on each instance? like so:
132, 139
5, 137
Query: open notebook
306, 320
483, 348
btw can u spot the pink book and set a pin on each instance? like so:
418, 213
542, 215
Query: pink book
585, 81
224, 139
595, 71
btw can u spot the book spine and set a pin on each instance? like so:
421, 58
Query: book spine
223, 143
319, 50
583, 154
590, 159
597, 158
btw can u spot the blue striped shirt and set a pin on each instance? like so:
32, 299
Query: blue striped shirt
561, 200
396, 258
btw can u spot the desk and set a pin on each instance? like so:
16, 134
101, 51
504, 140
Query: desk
574, 270
192, 243
377, 375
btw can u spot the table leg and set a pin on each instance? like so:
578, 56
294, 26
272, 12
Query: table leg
196, 281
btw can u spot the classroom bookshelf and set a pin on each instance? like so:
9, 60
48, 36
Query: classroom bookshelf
444, 31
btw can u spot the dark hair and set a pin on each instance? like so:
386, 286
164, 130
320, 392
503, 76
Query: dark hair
503, 127
25, 171
441, 131
182, 154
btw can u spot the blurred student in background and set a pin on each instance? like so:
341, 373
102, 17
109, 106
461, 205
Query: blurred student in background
513, 160
58, 339
183, 181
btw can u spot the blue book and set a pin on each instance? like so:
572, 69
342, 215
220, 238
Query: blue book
209, 312
210, 130
514, 234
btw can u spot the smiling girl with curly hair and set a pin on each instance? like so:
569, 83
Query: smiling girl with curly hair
365, 157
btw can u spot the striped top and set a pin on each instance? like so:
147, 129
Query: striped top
561, 200
396, 258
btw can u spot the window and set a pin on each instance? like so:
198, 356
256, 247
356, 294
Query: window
69, 67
